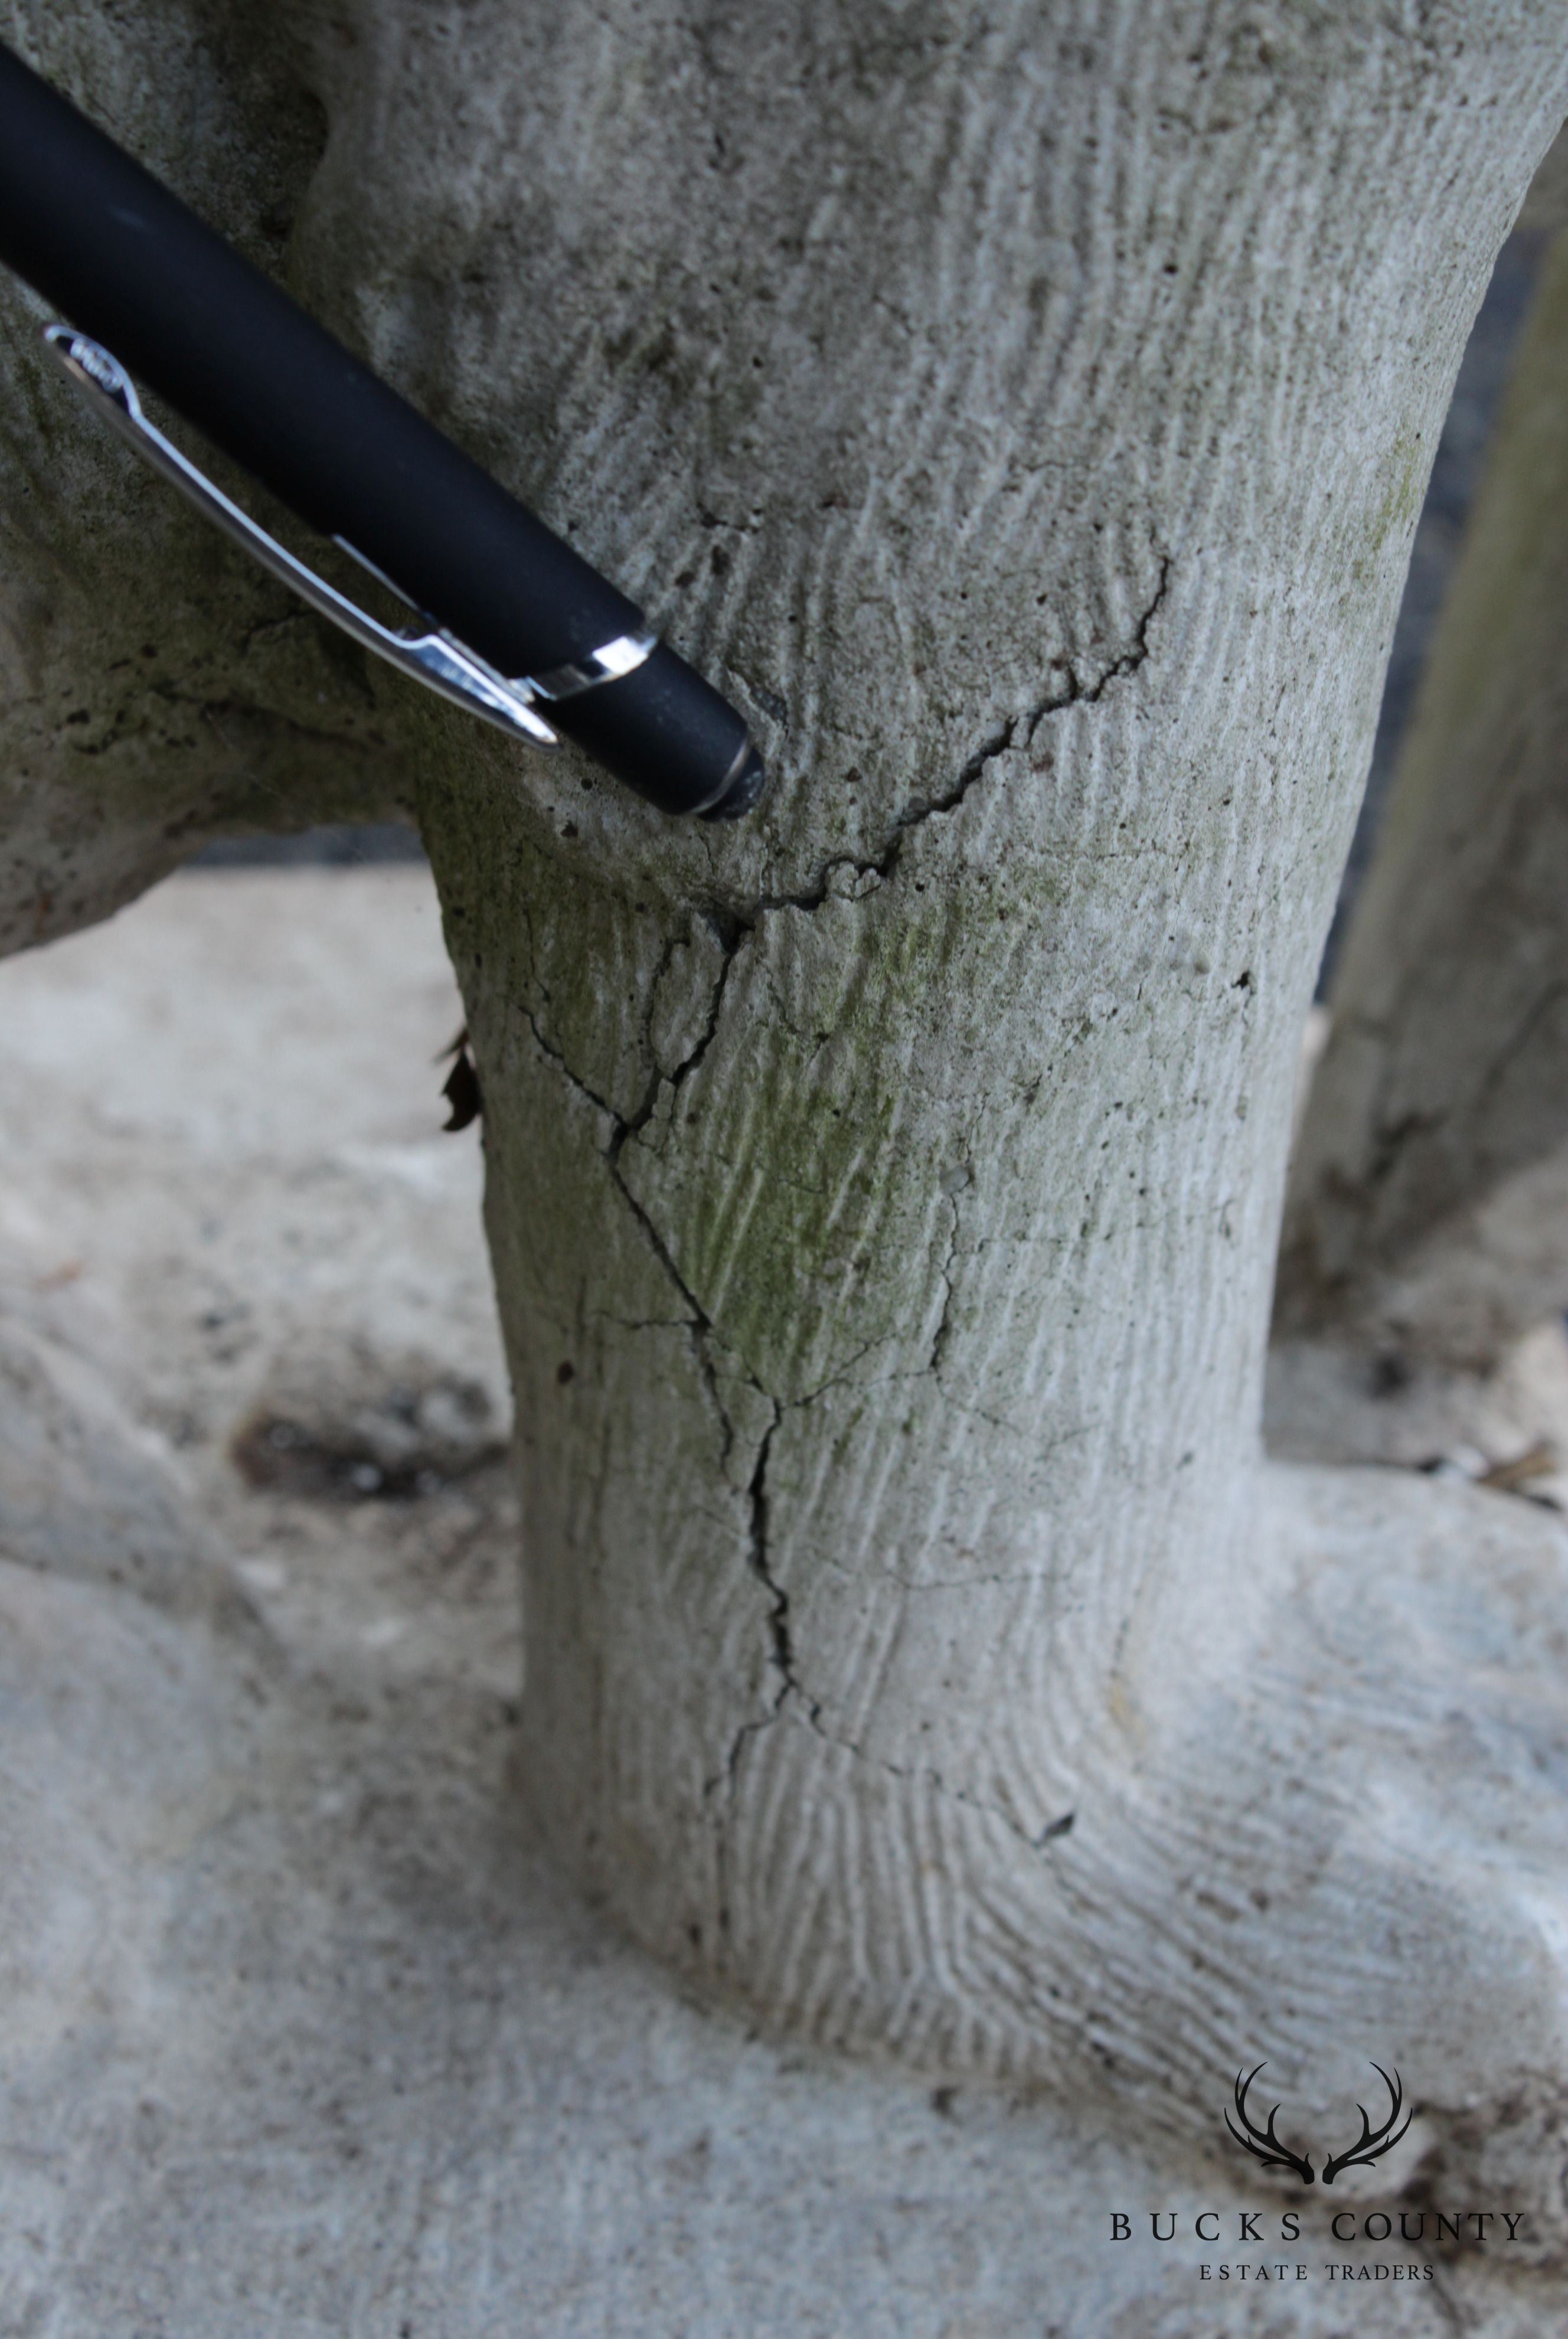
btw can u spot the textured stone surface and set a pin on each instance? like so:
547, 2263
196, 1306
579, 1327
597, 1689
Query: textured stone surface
898, 1345
1432, 1175
158, 691
302, 2033
1025, 417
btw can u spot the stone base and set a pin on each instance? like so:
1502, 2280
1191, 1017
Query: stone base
300, 2033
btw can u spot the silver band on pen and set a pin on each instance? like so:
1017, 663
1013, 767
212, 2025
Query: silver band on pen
434, 657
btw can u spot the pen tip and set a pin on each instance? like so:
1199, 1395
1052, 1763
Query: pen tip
743, 791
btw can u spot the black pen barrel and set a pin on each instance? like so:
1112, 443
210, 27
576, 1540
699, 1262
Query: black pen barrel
126, 261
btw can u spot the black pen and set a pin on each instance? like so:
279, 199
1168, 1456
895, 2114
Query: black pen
519, 628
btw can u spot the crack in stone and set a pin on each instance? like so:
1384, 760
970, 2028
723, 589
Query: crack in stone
1090, 693
1054, 1828
672, 942
838, 1379
778, 1621
601, 1104
688, 1063
780, 1652
939, 1337
734, 929
810, 1713
734, 932
699, 1324
1008, 735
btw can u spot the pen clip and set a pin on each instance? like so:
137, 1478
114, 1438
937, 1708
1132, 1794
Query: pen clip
434, 657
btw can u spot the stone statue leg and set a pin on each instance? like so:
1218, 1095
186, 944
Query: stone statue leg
1026, 420
1428, 1195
